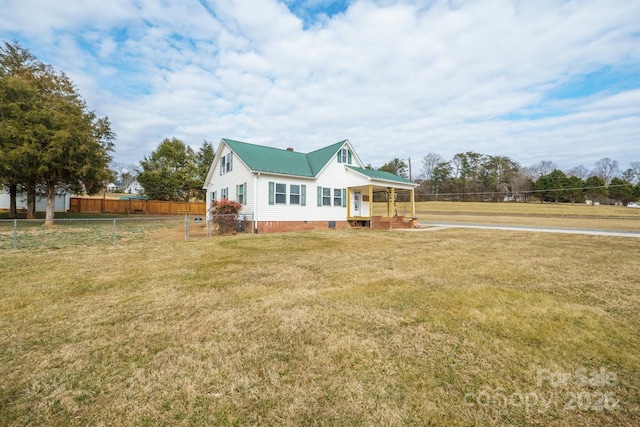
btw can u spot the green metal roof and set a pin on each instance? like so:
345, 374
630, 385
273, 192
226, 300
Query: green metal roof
381, 175
275, 160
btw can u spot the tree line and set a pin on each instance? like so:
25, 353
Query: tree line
479, 177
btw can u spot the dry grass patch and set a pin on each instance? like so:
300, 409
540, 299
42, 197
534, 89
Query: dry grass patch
341, 327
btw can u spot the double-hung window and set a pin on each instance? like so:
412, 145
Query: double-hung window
326, 196
224, 193
226, 163
241, 196
281, 193
344, 156
337, 197
294, 194
277, 193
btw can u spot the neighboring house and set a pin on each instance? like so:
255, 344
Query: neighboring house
61, 202
283, 190
134, 188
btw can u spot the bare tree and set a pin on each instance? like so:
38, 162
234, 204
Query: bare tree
429, 163
579, 172
544, 167
634, 167
606, 169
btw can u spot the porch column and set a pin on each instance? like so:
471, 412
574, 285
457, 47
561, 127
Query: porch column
413, 203
348, 202
370, 201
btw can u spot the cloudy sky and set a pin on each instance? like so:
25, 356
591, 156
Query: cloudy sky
533, 80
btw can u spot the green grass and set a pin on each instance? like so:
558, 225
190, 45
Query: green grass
339, 327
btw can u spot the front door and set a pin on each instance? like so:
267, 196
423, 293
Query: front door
357, 205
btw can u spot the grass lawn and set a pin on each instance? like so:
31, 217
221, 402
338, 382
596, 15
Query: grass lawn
563, 215
337, 327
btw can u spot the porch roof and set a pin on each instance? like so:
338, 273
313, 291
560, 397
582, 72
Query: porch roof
382, 176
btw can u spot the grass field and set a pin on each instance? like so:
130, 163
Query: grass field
535, 214
338, 327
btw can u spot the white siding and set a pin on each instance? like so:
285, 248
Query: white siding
333, 176
61, 202
240, 174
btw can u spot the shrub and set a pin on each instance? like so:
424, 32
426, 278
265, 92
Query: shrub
225, 213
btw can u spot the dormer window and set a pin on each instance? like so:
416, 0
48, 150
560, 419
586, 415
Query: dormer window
344, 156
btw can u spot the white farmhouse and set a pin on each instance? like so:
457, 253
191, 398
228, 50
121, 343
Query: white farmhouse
284, 190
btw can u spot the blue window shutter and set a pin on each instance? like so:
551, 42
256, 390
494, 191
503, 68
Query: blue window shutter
349, 156
303, 195
271, 192
344, 197
244, 192
319, 196
339, 156
230, 162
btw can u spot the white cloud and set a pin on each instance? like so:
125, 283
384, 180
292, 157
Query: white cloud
398, 79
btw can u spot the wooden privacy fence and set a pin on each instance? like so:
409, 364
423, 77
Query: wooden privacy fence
135, 206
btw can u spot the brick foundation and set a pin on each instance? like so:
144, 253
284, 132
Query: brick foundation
283, 226
377, 223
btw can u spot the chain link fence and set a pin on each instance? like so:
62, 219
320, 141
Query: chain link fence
37, 233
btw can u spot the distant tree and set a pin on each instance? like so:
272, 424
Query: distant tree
441, 177
579, 172
124, 174
544, 167
551, 186
521, 184
203, 160
497, 172
632, 174
574, 189
620, 190
397, 167
169, 173
595, 189
606, 169
429, 163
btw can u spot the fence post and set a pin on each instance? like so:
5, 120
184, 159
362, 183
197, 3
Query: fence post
114, 231
15, 234
186, 226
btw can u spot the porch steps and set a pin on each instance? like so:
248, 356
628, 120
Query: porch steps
396, 222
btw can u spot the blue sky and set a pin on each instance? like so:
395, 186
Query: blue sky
546, 80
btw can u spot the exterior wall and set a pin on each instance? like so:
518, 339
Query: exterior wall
61, 202
240, 174
333, 176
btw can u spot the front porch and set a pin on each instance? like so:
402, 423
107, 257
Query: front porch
360, 207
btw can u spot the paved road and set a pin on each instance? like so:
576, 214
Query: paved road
443, 225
